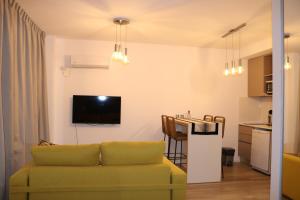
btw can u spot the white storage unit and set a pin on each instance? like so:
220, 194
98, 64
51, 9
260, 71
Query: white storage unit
260, 150
204, 154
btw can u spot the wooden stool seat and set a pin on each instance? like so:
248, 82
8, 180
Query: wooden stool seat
180, 136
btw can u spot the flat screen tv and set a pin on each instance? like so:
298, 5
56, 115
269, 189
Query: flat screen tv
96, 109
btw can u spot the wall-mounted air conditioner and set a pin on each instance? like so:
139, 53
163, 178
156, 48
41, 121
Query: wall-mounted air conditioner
88, 61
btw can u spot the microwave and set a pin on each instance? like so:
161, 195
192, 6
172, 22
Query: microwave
269, 87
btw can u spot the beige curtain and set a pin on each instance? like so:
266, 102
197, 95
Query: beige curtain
292, 106
298, 135
23, 102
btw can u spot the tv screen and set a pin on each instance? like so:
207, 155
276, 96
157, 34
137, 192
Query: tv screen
96, 109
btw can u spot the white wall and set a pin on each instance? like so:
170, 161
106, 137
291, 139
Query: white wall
160, 79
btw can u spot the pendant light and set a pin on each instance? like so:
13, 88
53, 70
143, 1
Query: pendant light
125, 57
287, 64
234, 69
240, 66
118, 54
115, 53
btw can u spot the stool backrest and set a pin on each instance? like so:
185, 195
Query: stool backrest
220, 119
164, 124
208, 118
171, 126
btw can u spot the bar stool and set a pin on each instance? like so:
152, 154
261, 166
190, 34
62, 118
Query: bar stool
164, 125
220, 119
208, 118
177, 136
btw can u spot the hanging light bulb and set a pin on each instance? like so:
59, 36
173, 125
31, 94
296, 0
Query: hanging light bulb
240, 67
125, 57
287, 64
233, 70
115, 53
226, 71
119, 53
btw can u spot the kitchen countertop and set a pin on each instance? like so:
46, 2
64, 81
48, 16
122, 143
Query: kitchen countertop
262, 126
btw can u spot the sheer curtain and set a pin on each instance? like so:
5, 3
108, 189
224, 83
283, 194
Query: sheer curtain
292, 106
23, 96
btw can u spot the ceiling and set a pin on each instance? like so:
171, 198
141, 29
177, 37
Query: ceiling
292, 23
175, 22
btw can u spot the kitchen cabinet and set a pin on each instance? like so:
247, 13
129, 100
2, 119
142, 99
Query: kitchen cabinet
260, 76
244, 145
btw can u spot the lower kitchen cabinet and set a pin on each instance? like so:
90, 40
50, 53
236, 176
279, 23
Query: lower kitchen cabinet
244, 145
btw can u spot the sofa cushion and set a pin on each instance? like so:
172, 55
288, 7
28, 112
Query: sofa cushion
100, 182
66, 155
99, 175
132, 153
291, 176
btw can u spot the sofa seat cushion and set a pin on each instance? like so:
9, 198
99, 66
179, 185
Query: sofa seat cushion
291, 176
100, 182
66, 155
132, 153
108, 176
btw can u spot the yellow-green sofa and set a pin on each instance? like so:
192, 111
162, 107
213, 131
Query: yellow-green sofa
128, 171
291, 176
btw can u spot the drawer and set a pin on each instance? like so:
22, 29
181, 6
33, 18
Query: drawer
245, 129
245, 150
245, 138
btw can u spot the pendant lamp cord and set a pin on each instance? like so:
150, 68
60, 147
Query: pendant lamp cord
232, 49
120, 38
287, 48
239, 45
125, 37
116, 34
226, 46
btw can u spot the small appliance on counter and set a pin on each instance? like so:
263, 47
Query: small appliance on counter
270, 118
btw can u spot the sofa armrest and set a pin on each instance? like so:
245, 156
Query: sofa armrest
178, 177
291, 176
17, 180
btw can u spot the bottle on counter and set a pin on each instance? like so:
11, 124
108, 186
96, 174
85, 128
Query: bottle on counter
189, 115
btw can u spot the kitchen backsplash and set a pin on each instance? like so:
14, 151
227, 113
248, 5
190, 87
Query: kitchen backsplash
254, 109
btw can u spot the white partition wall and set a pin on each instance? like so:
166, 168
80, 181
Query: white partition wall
204, 158
204, 152
278, 99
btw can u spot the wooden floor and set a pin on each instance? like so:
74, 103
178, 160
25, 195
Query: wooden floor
240, 182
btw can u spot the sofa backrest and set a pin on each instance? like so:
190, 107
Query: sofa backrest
132, 153
66, 155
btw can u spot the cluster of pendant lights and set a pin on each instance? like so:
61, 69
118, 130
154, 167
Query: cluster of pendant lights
236, 64
120, 53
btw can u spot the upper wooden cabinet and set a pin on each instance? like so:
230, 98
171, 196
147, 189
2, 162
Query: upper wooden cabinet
259, 74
